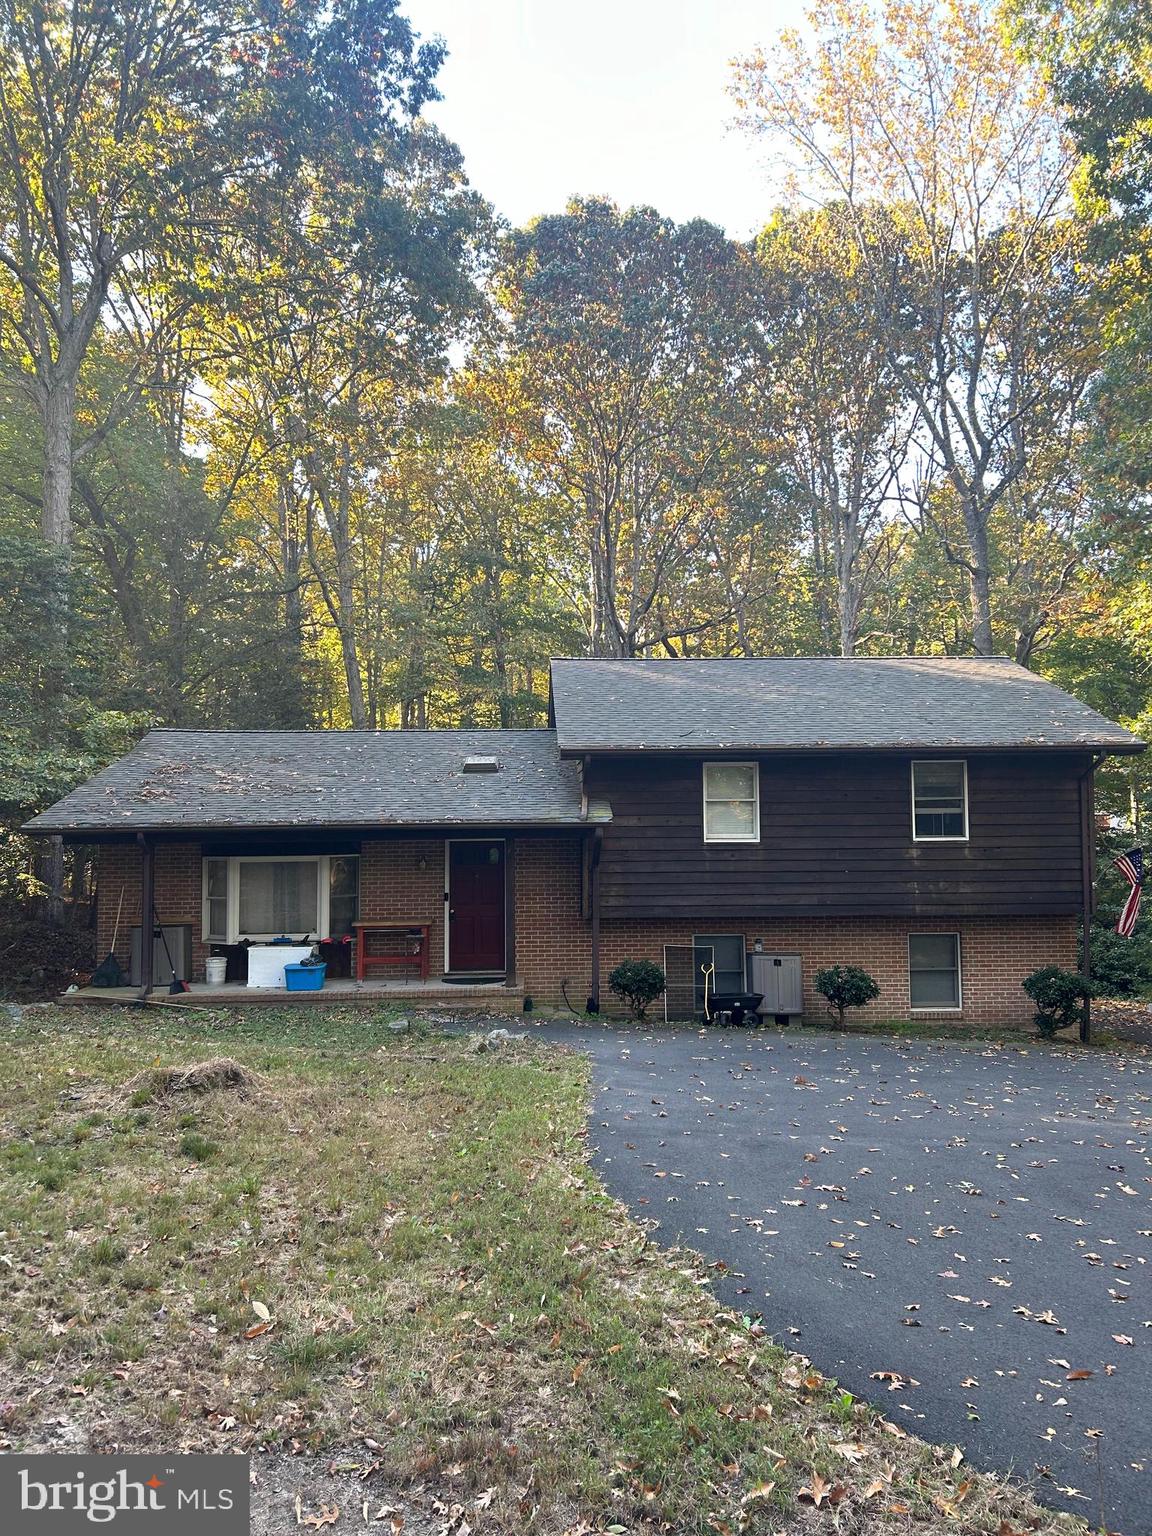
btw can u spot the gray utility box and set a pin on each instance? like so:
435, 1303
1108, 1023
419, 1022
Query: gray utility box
780, 979
179, 936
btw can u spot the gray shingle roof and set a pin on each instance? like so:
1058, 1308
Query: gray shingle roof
816, 703
363, 779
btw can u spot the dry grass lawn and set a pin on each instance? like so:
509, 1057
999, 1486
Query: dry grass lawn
391, 1244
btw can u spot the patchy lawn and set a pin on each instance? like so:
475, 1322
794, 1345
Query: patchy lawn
391, 1247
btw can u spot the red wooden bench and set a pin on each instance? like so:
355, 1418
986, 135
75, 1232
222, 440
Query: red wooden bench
381, 946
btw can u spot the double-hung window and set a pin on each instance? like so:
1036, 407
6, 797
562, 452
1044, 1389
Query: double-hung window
264, 898
731, 803
934, 970
940, 800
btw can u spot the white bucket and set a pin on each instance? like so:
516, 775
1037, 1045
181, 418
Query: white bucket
215, 970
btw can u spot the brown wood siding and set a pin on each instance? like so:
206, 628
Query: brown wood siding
836, 838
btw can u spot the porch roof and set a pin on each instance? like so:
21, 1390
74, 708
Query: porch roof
176, 780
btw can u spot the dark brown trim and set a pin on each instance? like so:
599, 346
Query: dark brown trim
510, 911
594, 873
147, 905
915, 748
320, 831
1088, 880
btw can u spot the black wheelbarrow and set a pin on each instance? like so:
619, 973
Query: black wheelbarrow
733, 1007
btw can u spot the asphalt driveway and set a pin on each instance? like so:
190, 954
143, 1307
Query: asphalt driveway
974, 1222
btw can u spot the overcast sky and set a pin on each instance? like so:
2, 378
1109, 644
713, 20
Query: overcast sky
549, 98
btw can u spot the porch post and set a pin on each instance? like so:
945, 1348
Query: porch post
147, 904
510, 911
594, 894
1087, 872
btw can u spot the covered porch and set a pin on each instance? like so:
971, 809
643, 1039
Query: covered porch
475, 913
471, 855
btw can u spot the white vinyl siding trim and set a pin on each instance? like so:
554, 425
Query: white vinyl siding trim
214, 922
942, 802
935, 966
731, 802
220, 916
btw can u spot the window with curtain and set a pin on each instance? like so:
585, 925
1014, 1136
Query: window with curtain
940, 801
343, 895
934, 970
216, 899
731, 803
279, 896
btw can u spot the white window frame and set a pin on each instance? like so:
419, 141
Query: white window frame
939, 933
951, 837
754, 835
323, 863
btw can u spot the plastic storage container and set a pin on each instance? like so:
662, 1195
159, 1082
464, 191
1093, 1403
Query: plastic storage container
304, 978
215, 970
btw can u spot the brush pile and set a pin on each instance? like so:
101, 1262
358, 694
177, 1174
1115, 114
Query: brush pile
218, 1074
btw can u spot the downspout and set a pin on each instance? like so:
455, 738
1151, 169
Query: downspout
594, 893
147, 906
1085, 785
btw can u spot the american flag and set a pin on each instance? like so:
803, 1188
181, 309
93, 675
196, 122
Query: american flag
1131, 866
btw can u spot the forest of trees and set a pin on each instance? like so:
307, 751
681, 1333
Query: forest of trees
294, 432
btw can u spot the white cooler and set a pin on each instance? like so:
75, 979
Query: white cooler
266, 962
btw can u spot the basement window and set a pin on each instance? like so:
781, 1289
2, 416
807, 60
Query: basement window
934, 971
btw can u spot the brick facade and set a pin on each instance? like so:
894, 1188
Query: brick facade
178, 890
996, 953
404, 878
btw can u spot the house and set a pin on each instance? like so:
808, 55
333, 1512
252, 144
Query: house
928, 818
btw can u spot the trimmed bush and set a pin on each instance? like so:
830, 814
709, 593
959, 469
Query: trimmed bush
1061, 999
638, 982
844, 987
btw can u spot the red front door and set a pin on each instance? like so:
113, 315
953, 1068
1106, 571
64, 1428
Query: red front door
476, 906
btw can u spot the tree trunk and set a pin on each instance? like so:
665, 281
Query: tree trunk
59, 405
52, 874
295, 705
356, 706
848, 616
979, 577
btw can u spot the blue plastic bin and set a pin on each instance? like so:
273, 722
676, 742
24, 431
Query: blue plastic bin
304, 978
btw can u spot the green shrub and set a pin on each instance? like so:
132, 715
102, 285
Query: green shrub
638, 982
1061, 998
1121, 967
844, 987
